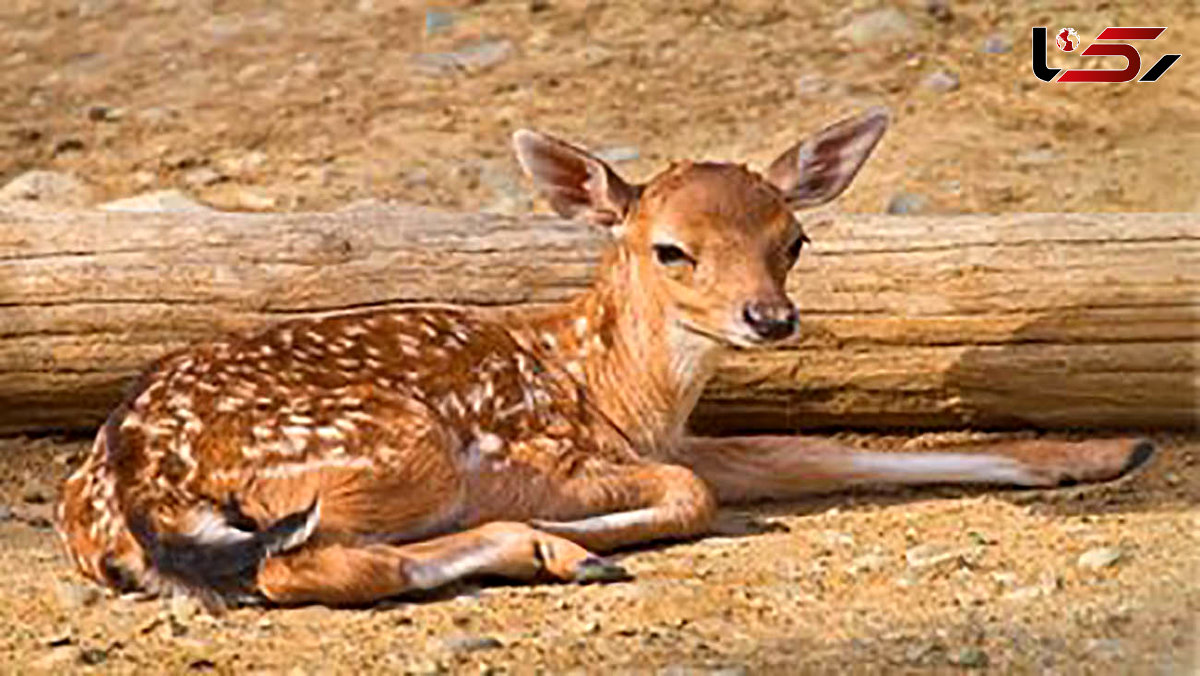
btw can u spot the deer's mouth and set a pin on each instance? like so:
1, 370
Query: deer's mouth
730, 339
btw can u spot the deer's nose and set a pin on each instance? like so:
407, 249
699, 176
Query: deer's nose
771, 321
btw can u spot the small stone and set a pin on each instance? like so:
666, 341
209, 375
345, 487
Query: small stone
927, 556
971, 658
940, 81
249, 199
437, 21
906, 203
866, 564
158, 200
104, 113
939, 9
618, 154
472, 58
36, 493
6, 512
55, 660
201, 177
470, 644
536, 6
47, 187
93, 656
73, 595
1100, 557
996, 44
1172, 479
878, 26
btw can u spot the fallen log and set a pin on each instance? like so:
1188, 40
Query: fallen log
1032, 320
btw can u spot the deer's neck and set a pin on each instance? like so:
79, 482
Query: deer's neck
635, 362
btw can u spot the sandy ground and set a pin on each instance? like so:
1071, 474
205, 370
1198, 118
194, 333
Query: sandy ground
308, 105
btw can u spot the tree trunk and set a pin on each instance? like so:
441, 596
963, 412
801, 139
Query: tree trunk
1042, 320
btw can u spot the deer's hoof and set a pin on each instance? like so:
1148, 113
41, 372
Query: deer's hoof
1143, 450
596, 569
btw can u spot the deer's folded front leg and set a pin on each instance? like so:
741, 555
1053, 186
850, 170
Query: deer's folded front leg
641, 503
347, 574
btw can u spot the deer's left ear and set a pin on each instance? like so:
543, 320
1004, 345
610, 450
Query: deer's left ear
820, 167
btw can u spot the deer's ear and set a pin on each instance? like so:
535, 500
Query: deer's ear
820, 167
576, 183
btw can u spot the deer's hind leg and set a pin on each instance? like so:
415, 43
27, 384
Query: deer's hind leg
345, 574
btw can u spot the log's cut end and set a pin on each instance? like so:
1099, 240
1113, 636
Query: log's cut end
1035, 320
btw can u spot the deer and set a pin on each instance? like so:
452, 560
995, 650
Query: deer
358, 456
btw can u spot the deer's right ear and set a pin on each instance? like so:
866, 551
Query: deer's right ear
575, 183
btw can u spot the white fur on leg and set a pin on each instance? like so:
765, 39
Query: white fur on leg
924, 468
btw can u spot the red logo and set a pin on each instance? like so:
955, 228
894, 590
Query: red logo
1067, 39
1118, 38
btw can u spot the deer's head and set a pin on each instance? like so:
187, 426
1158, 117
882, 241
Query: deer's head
711, 243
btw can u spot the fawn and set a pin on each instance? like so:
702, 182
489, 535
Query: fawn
354, 457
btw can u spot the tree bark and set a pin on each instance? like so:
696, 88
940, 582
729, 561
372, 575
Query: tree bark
1037, 320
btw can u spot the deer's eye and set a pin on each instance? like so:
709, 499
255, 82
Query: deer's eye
795, 247
671, 255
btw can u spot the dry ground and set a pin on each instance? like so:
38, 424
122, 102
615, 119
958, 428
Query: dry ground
304, 104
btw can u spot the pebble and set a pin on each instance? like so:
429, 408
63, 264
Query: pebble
618, 154
971, 658
996, 44
48, 187
6, 512
201, 177
941, 81
927, 556
437, 22
472, 58
36, 493
104, 113
1100, 557
906, 203
73, 595
470, 644
880, 25
158, 200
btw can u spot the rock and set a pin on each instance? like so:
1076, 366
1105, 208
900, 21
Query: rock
940, 81
536, 6
971, 658
618, 154
158, 200
939, 9
55, 660
1100, 557
996, 44
867, 563
1038, 156
104, 113
6, 512
201, 177
249, 199
472, 58
73, 595
48, 187
93, 656
437, 21
923, 557
470, 644
36, 493
65, 146
881, 25
906, 203
1172, 479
